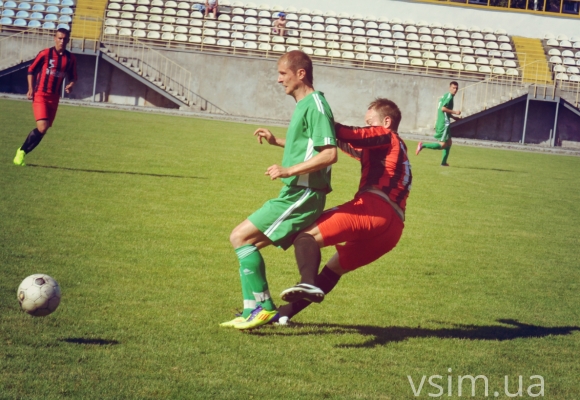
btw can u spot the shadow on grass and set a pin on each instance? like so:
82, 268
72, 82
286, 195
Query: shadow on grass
98, 171
487, 169
380, 336
98, 342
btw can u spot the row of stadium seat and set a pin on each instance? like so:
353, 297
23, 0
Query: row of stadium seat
565, 44
32, 23
25, 5
549, 36
37, 15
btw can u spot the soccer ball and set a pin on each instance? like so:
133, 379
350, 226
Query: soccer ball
39, 295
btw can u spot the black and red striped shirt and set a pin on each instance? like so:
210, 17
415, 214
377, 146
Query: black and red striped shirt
383, 156
50, 68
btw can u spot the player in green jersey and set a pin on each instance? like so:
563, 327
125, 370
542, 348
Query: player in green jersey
309, 151
445, 112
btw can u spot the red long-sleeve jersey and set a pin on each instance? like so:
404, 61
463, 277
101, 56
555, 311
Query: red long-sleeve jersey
383, 157
50, 68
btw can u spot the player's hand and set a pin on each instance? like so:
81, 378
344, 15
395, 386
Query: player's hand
68, 88
276, 171
458, 112
262, 133
30, 94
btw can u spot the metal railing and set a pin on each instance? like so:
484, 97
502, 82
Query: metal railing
159, 69
23, 46
498, 89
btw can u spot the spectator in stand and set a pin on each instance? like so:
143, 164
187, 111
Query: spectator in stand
211, 6
280, 25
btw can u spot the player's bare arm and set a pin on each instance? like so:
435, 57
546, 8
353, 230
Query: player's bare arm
68, 88
30, 92
326, 157
451, 112
263, 133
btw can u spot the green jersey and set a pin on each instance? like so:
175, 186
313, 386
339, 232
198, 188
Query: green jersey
311, 127
443, 119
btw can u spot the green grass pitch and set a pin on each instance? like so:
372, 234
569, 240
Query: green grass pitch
131, 214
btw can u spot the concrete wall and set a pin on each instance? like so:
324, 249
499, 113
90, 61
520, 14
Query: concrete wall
248, 87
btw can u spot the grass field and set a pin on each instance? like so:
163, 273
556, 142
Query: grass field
131, 214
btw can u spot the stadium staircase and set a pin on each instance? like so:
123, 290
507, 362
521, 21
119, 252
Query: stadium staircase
18, 50
88, 20
536, 56
158, 72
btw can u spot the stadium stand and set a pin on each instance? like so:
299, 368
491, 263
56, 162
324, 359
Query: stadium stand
368, 42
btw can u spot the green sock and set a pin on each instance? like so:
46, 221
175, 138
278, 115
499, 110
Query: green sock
253, 272
446, 152
249, 301
432, 146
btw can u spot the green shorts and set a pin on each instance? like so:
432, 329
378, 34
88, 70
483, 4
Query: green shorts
443, 135
282, 218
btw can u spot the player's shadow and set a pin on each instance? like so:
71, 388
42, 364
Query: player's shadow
98, 171
380, 336
97, 342
487, 169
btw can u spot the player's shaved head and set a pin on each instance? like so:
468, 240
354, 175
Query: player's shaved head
453, 83
387, 108
296, 60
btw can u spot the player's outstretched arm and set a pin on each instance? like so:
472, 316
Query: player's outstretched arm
450, 111
68, 88
366, 137
326, 157
263, 133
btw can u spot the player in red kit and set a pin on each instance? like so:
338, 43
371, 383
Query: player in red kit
365, 228
45, 77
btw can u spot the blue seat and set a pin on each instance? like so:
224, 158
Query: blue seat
65, 19
38, 7
53, 1
49, 25
65, 26
66, 10
19, 22
52, 9
22, 14
67, 3
10, 4
8, 13
34, 24
39, 1
24, 6
5, 21
36, 15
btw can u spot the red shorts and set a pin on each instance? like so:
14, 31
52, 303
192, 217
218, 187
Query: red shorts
368, 226
44, 107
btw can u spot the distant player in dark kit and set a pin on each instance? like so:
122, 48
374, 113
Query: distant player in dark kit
445, 112
45, 77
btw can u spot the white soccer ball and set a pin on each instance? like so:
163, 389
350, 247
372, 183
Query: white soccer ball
39, 295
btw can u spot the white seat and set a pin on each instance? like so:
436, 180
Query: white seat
211, 41
427, 46
412, 53
468, 60
223, 42
410, 29
250, 36
416, 62
388, 51
451, 41
558, 68
444, 65
498, 71
470, 68
251, 46
491, 46
573, 70
505, 47
430, 63
412, 37
264, 47
361, 57
494, 62
348, 55
457, 67
509, 64
195, 39
375, 58
442, 57
428, 55
482, 61
320, 52
279, 48
385, 34
109, 30
124, 32
555, 60
450, 33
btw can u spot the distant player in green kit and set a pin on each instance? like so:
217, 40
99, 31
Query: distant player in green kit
309, 151
445, 112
